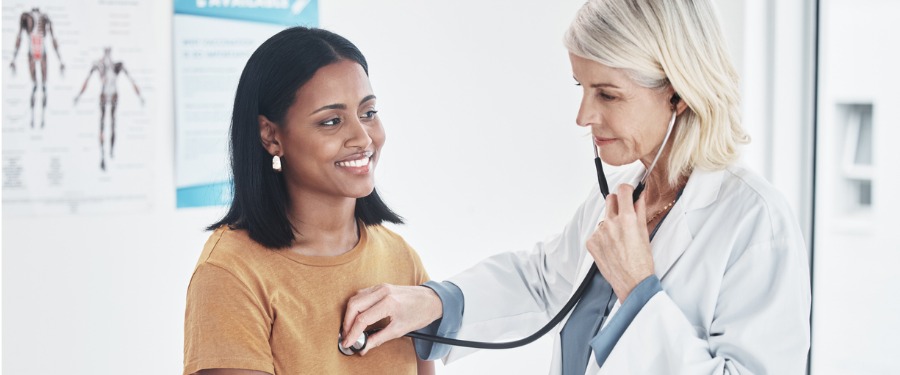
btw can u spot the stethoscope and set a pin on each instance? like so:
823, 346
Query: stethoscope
363, 339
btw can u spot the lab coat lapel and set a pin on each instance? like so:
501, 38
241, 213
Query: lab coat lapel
587, 229
556, 365
674, 236
670, 241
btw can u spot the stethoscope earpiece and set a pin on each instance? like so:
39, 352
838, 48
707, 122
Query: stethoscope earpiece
357, 346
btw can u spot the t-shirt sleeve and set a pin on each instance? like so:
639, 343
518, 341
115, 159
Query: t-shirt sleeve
225, 325
420, 276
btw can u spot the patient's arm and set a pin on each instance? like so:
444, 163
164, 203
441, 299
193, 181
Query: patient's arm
425, 367
235, 371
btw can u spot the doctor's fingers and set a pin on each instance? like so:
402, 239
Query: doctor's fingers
640, 208
600, 240
624, 205
379, 311
612, 205
408, 307
390, 332
361, 302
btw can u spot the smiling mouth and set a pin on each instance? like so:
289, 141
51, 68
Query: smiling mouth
361, 161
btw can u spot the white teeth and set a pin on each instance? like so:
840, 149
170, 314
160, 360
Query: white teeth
356, 163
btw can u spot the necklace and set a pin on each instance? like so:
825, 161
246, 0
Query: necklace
668, 206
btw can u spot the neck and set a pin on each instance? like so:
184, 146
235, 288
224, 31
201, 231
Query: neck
323, 225
658, 191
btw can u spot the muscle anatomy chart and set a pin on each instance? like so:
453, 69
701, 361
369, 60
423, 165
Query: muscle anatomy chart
103, 54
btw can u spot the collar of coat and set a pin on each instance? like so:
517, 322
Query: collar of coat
674, 236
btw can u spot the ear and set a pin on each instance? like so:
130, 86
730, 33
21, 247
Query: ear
270, 134
678, 104
681, 106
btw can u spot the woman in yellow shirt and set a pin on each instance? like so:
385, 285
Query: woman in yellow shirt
304, 232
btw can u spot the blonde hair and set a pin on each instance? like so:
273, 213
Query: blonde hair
658, 43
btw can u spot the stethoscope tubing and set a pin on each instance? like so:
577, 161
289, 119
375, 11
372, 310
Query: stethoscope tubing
521, 342
573, 300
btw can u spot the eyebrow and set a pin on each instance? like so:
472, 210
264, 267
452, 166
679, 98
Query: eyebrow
599, 85
330, 106
341, 106
370, 97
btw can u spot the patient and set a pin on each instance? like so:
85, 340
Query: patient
304, 231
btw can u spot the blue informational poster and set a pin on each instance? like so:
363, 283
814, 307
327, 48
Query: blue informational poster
212, 41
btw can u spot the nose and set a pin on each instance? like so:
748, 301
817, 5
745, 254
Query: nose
587, 114
359, 135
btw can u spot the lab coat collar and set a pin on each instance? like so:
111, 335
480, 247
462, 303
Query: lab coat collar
670, 242
702, 189
674, 236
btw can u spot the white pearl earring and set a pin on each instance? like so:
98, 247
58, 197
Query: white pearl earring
276, 163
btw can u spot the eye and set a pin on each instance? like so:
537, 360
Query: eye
606, 96
578, 84
369, 114
331, 122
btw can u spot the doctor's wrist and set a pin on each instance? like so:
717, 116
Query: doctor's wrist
624, 288
432, 305
450, 301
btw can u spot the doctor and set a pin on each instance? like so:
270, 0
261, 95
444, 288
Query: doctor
706, 273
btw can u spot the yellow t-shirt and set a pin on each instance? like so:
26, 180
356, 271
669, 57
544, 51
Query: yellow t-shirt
250, 307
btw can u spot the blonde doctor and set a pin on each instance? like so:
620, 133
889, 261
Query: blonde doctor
706, 273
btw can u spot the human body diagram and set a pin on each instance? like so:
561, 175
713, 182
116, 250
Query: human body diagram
37, 26
108, 71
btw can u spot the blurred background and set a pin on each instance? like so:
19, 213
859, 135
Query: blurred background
483, 156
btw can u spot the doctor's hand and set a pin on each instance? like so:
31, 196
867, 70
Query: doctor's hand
408, 307
620, 245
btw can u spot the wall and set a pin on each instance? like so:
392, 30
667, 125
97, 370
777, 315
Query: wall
855, 305
482, 156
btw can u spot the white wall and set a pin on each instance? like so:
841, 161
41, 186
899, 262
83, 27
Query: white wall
855, 323
483, 156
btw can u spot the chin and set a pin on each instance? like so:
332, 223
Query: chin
617, 161
362, 193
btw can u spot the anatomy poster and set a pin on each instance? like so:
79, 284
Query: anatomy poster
212, 41
78, 106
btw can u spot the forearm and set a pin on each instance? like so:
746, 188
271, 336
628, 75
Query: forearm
518, 285
18, 42
452, 305
133, 83
55, 44
424, 367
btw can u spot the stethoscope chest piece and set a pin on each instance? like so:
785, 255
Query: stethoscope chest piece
357, 346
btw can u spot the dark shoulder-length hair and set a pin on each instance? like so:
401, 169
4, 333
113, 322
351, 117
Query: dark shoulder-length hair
268, 84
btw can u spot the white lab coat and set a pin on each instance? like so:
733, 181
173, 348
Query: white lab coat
732, 264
